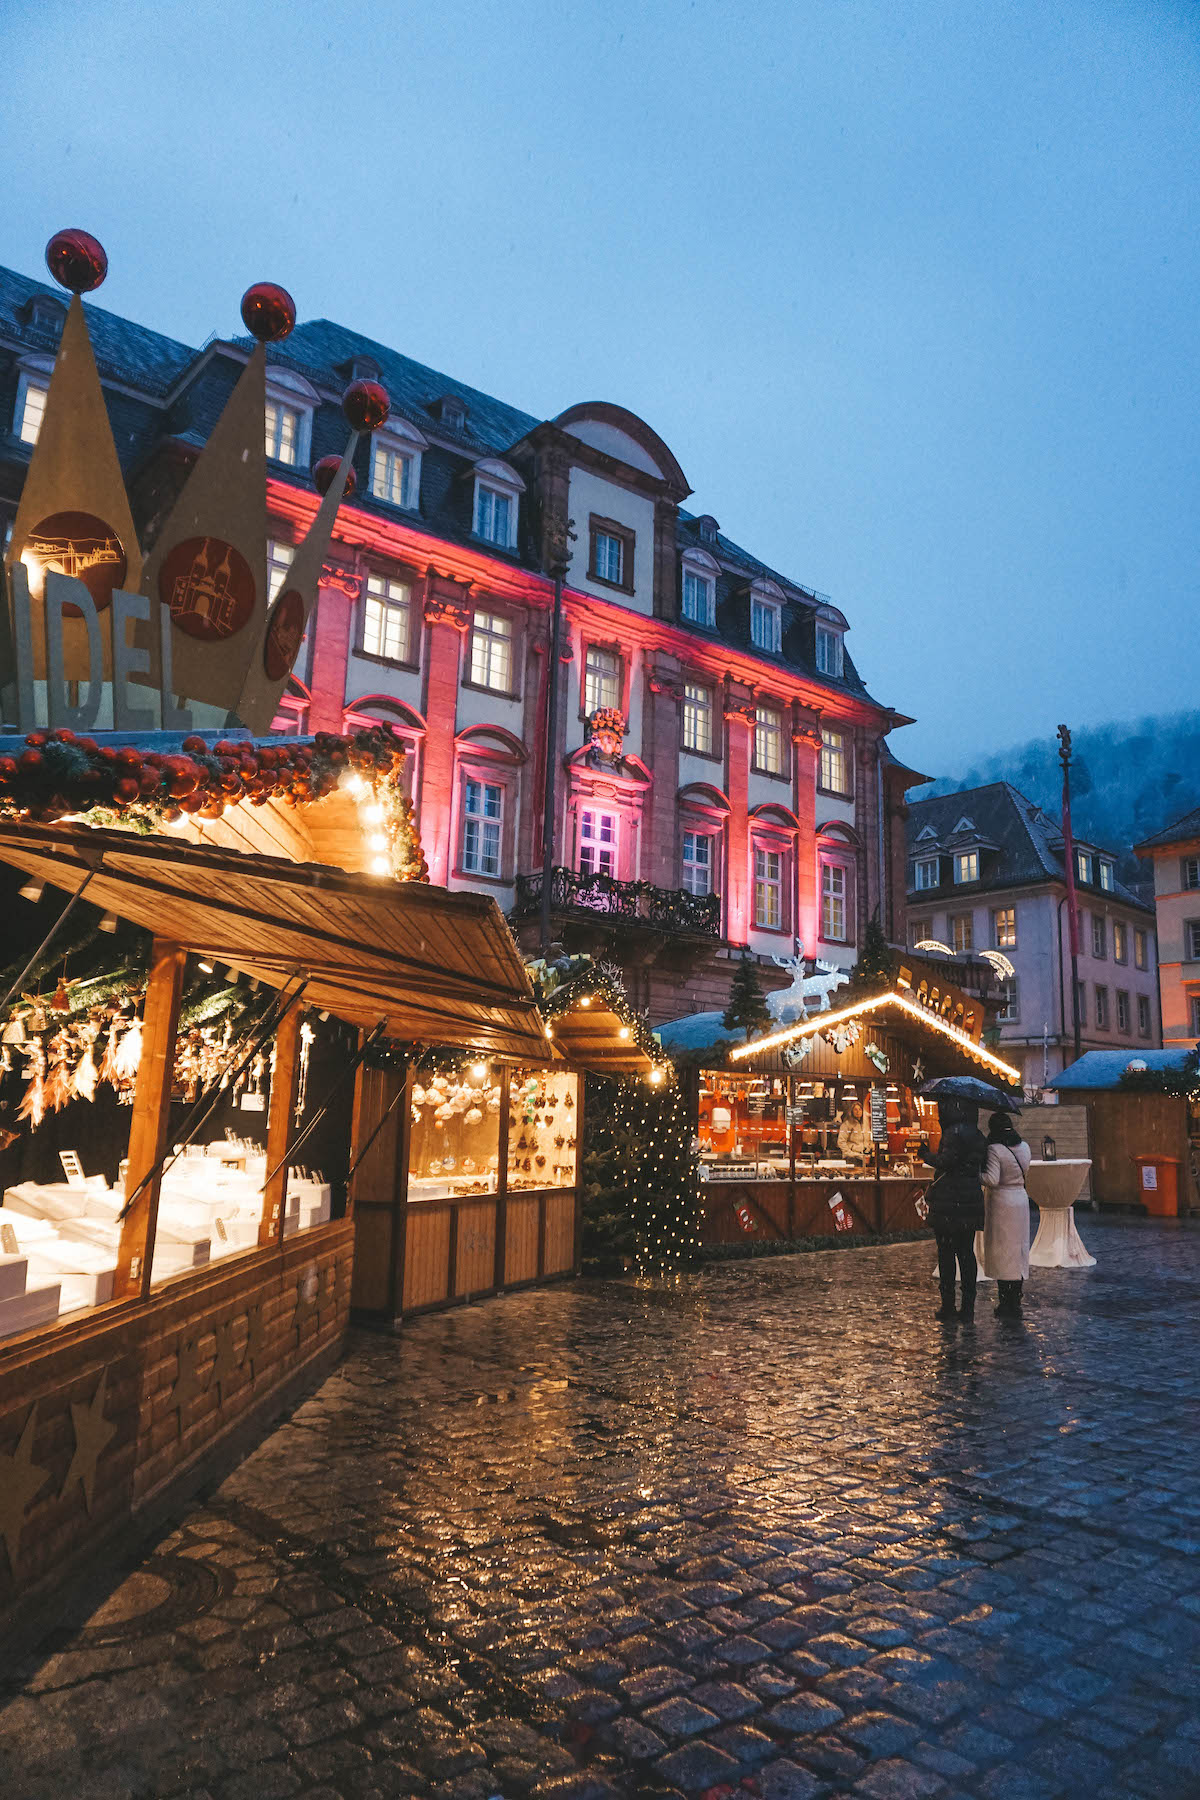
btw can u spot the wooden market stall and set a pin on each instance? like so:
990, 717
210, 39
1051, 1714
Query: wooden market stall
1143, 1116
817, 1127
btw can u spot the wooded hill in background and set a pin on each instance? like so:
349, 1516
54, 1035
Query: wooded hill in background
1127, 780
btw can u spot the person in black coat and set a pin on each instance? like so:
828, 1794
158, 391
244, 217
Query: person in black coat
955, 1201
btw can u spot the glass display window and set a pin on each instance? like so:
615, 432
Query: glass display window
743, 1127
454, 1144
543, 1129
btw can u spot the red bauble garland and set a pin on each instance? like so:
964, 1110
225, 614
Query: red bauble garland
59, 773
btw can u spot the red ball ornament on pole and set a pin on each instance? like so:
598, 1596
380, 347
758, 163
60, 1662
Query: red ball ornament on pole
268, 312
325, 474
366, 405
76, 260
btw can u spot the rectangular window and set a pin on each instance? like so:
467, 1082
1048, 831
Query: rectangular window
1195, 1020
491, 652
1140, 960
919, 931
1081, 994
833, 903
386, 619
1143, 1001
1083, 866
966, 867
699, 598
768, 740
697, 862
601, 680
1101, 1008
1190, 872
765, 633
962, 933
833, 762
391, 475
1108, 875
697, 718
928, 872
1120, 942
1008, 1009
597, 842
33, 410
1099, 937
1191, 939
610, 558
283, 432
493, 515
829, 651
768, 889
483, 811
1004, 928
279, 561
1123, 1012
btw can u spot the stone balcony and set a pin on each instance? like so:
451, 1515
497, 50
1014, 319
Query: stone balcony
602, 900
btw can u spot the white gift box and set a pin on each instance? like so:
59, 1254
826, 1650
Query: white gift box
25, 1312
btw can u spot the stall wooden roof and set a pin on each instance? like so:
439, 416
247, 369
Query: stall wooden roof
590, 1038
918, 1024
435, 966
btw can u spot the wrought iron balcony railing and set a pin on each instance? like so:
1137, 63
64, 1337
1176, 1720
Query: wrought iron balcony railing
635, 902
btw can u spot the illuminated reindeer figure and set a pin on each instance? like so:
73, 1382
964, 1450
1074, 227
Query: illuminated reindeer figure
791, 1004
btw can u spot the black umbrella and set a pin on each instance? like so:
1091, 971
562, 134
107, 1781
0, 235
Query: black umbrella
970, 1089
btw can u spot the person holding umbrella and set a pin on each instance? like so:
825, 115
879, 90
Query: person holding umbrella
955, 1200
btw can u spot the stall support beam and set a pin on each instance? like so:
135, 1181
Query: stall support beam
149, 1127
285, 1080
400, 1191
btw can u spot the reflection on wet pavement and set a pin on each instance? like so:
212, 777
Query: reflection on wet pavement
769, 1531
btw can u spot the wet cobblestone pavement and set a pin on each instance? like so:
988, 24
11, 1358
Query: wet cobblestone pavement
773, 1532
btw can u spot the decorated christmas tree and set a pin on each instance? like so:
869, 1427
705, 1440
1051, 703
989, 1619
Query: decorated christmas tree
640, 1202
876, 964
747, 1008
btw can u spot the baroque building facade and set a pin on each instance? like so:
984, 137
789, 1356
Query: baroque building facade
722, 775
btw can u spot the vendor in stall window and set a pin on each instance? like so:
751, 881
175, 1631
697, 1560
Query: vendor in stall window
854, 1135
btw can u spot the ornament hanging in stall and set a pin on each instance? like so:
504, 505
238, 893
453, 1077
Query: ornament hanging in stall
129, 1052
844, 1035
307, 1034
60, 1060
841, 1213
33, 1101
84, 1079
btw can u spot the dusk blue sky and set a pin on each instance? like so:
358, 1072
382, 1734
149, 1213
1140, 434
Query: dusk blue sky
910, 289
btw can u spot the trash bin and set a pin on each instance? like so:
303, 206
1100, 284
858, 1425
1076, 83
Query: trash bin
1158, 1185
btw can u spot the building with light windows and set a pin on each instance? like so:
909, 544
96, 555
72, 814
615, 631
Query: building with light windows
987, 879
722, 775
1175, 854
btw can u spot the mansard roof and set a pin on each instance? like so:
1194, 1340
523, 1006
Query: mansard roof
125, 352
1183, 830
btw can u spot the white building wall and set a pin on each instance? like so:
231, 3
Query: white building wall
590, 493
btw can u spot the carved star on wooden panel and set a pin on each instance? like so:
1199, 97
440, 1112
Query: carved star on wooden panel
20, 1480
93, 1434
256, 1339
228, 1362
188, 1385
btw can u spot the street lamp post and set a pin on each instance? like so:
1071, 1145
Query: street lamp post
1064, 757
558, 537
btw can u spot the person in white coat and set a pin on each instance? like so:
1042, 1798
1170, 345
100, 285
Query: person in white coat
1006, 1212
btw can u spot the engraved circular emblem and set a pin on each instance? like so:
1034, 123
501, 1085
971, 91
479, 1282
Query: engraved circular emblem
208, 586
284, 633
79, 544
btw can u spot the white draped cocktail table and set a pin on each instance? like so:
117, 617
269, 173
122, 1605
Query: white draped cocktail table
1055, 1186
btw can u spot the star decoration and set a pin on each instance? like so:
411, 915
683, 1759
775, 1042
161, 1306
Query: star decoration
256, 1339
188, 1384
228, 1362
20, 1479
93, 1434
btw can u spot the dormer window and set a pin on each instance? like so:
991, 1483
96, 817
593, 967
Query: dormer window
46, 311
766, 617
829, 652
33, 384
966, 867
707, 528
289, 411
1083, 866
928, 874
497, 495
1108, 876
451, 412
396, 466
699, 589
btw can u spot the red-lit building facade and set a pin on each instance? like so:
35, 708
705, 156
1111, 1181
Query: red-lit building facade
722, 775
